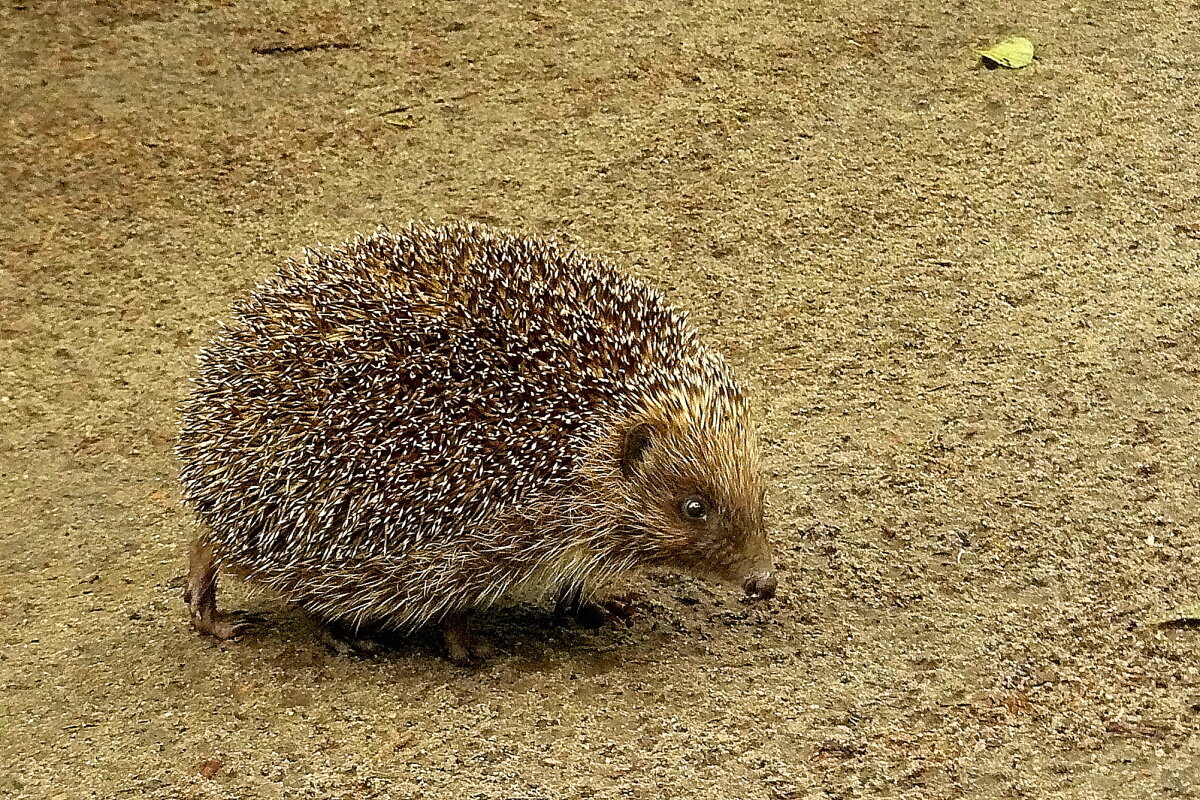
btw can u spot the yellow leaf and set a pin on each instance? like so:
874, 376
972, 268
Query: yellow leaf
1014, 52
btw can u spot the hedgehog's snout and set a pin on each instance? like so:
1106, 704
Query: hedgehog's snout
761, 585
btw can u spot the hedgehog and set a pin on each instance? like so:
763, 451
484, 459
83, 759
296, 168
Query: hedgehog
414, 425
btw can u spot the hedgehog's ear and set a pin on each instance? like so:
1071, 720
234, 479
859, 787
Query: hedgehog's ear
638, 440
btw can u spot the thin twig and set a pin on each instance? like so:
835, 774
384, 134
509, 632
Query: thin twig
283, 49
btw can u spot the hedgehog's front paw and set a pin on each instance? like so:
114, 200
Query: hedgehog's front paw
347, 641
597, 613
572, 601
461, 646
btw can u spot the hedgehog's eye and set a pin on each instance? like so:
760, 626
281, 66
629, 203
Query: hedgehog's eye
693, 507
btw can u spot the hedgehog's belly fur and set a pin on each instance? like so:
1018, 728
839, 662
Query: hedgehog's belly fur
402, 594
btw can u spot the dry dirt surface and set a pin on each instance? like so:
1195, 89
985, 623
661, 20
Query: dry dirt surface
965, 301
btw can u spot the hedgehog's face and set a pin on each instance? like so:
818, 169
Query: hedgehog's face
695, 494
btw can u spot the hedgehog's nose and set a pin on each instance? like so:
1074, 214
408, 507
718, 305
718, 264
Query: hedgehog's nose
761, 586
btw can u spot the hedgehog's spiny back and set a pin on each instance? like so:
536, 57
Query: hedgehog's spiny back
404, 387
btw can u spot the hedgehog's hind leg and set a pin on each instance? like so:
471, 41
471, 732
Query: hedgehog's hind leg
461, 646
200, 593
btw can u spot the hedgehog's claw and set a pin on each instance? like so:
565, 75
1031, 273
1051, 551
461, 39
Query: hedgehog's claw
595, 613
225, 624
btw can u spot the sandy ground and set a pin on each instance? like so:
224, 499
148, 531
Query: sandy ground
965, 300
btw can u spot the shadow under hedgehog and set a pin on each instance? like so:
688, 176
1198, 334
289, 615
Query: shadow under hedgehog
415, 424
